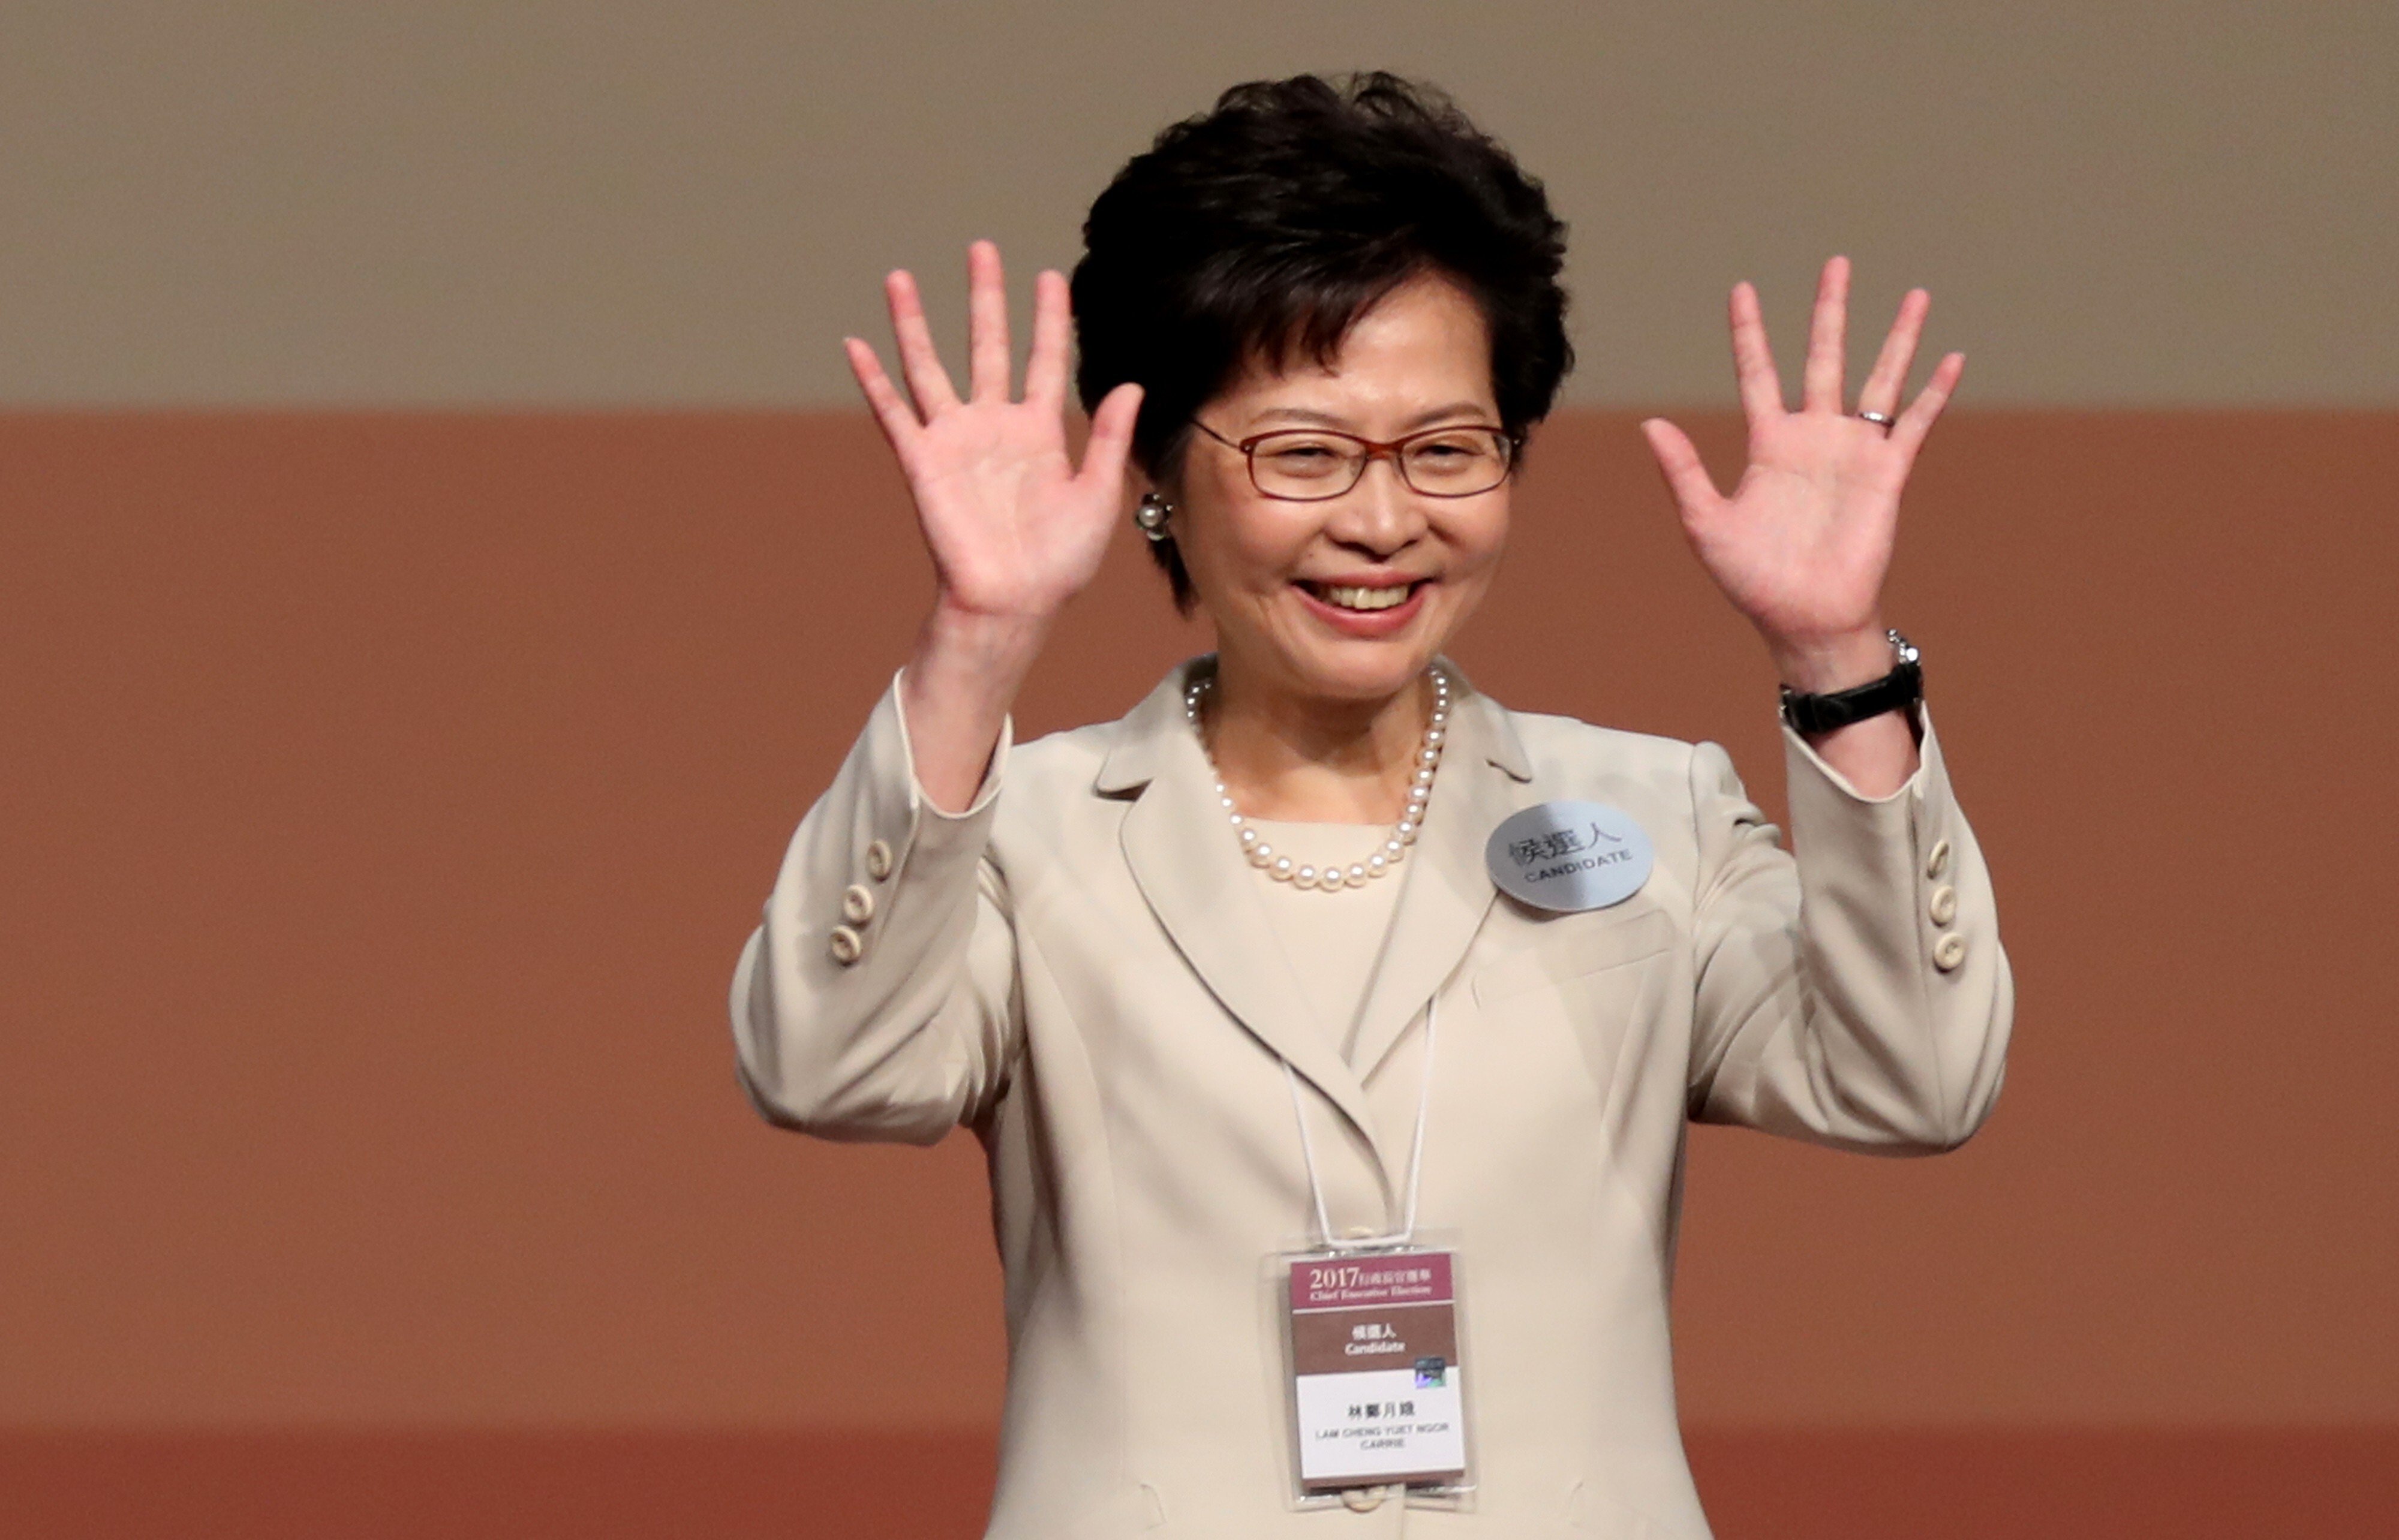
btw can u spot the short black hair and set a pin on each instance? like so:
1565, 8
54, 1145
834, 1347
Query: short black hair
1264, 227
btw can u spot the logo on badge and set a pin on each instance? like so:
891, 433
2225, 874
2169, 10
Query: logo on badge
1569, 856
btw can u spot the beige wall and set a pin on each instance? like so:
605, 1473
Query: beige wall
597, 201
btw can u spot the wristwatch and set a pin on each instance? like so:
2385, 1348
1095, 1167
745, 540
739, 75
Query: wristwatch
1903, 687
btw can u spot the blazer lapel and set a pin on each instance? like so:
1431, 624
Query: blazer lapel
1187, 864
1447, 888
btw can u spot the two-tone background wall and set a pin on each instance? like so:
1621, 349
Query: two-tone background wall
440, 560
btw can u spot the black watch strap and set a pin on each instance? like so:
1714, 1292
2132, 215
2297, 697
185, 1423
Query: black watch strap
1897, 690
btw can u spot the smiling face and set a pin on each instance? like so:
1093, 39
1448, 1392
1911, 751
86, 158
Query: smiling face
1347, 599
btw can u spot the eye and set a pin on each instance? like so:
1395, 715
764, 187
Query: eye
1463, 447
1303, 456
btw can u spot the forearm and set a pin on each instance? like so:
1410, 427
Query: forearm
957, 692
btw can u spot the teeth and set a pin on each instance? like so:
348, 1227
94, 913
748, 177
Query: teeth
1364, 598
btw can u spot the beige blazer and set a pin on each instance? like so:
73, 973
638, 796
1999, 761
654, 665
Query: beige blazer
1080, 968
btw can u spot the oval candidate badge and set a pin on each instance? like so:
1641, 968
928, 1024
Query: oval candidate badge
1569, 856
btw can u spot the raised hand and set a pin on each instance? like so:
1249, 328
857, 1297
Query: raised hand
1014, 526
1802, 544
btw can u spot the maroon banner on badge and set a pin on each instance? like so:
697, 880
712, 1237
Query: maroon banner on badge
1344, 1283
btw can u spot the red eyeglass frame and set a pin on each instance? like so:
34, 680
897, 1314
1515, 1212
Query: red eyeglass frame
1375, 450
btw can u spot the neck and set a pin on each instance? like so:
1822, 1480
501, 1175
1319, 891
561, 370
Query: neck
1312, 760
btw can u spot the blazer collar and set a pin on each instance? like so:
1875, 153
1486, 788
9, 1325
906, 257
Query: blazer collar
1446, 887
1184, 859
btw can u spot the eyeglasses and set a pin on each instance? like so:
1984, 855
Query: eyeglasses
1309, 465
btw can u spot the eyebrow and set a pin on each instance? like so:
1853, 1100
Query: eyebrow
1325, 419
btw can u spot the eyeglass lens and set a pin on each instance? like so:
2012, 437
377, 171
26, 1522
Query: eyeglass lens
1449, 463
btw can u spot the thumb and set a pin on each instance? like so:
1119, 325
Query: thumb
1679, 464
1111, 442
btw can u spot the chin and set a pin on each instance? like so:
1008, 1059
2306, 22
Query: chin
1364, 671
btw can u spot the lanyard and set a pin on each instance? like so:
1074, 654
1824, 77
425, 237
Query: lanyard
1406, 1234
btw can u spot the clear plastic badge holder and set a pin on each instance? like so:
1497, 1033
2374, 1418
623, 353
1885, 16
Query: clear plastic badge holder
1375, 1385
1376, 1388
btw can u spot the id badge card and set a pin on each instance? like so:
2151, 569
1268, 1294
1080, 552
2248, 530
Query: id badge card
1377, 1391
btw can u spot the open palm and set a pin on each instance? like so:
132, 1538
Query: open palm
1015, 528
1802, 544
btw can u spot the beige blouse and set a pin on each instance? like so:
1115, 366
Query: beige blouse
1335, 940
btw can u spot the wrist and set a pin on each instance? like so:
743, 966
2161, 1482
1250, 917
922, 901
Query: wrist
972, 662
981, 640
956, 693
1821, 716
1819, 666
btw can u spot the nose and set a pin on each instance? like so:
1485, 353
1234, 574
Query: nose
1382, 515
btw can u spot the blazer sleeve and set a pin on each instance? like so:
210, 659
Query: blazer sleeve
915, 1033
1852, 991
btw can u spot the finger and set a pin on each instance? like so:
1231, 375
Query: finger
1045, 371
987, 355
1110, 445
1923, 412
1686, 477
1881, 390
892, 413
1752, 362
1822, 381
928, 381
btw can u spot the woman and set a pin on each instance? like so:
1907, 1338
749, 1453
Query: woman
1322, 1010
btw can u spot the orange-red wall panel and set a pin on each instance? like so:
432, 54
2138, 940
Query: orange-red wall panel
386, 797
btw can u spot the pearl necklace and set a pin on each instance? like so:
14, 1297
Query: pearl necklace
1332, 879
